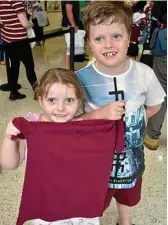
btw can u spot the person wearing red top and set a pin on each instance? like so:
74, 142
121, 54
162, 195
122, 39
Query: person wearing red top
135, 35
13, 32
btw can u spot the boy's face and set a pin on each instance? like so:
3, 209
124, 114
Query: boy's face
109, 44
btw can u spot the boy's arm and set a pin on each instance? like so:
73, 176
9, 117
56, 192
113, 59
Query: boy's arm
11, 152
155, 94
152, 110
111, 111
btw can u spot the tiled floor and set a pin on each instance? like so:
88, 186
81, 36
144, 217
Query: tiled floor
152, 208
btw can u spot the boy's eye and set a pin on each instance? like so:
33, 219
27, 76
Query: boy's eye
99, 39
116, 36
51, 100
69, 100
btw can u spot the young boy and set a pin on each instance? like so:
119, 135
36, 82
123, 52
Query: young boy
108, 28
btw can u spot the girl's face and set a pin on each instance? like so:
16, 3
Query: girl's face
61, 104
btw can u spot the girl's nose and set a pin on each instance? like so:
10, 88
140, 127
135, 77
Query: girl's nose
61, 106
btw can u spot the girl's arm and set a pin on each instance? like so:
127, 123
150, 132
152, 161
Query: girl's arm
12, 153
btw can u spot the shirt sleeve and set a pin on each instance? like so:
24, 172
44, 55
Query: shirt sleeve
18, 6
155, 94
33, 116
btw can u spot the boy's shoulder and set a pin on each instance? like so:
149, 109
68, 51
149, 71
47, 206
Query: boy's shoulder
143, 73
85, 72
84, 69
139, 66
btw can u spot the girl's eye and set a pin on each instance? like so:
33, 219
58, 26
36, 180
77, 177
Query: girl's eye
51, 100
116, 36
99, 39
69, 100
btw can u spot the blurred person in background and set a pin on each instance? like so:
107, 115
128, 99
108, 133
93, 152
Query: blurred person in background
159, 52
2, 60
13, 32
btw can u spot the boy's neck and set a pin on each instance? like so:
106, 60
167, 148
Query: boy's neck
113, 70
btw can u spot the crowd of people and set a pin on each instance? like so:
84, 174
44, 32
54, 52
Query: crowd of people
114, 30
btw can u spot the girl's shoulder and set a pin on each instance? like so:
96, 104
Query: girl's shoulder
31, 116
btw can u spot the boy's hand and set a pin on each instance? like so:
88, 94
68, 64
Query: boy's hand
11, 130
114, 110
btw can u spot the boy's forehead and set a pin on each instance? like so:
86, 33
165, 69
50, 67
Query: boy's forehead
106, 21
113, 22
109, 26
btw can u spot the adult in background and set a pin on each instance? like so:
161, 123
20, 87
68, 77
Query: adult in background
37, 29
136, 35
32, 7
159, 51
158, 10
2, 61
70, 18
14, 24
148, 12
83, 7
138, 6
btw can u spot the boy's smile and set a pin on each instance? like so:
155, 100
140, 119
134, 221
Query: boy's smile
109, 44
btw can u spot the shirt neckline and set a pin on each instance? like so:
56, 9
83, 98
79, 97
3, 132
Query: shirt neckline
119, 75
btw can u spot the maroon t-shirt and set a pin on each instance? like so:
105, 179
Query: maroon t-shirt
68, 167
135, 32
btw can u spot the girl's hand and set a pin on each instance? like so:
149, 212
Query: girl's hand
11, 130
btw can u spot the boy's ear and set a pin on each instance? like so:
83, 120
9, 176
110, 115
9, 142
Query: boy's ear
129, 41
88, 42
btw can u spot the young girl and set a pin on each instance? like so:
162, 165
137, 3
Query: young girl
60, 97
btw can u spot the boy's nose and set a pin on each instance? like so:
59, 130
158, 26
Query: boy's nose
109, 43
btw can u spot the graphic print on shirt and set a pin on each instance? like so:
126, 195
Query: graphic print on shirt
128, 165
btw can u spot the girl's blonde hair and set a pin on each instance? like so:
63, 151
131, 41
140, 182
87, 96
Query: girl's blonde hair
59, 75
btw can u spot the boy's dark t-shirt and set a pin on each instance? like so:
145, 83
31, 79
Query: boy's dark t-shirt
75, 10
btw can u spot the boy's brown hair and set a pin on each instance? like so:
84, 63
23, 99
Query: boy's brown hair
59, 75
98, 12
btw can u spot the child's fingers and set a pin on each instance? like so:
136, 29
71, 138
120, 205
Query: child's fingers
12, 130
